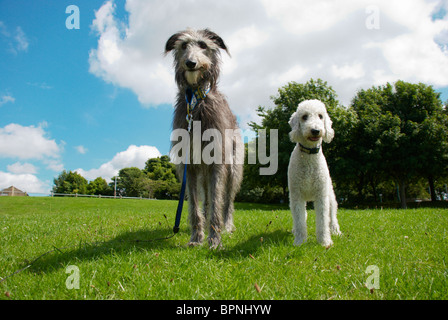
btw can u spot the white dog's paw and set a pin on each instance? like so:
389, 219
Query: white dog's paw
335, 230
326, 243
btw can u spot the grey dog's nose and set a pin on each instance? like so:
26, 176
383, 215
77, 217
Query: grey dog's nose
315, 132
191, 64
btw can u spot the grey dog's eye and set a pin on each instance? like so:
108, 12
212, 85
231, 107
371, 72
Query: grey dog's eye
202, 45
305, 117
184, 45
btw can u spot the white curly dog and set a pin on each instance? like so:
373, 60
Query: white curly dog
308, 175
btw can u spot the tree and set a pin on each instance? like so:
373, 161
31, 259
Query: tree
348, 171
133, 182
69, 183
164, 183
164, 190
375, 133
99, 186
401, 132
432, 136
161, 169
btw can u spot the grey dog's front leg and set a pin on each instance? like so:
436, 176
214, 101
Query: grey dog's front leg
195, 215
215, 199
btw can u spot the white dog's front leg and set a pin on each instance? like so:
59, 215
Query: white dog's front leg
334, 224
322, 207
299, 215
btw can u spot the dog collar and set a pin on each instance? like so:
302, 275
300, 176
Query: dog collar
193, 97
309, 150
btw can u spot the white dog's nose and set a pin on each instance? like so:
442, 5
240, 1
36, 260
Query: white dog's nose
315, 132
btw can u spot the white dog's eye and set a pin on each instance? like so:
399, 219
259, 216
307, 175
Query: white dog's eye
305, 117
321, 116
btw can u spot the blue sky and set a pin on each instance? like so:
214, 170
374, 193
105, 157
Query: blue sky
51, 87
99, 98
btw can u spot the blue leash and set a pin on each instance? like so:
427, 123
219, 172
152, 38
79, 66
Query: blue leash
181, 199
192, 98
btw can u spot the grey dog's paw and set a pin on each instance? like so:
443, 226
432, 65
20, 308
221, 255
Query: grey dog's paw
196, 239
194, 244
215, 242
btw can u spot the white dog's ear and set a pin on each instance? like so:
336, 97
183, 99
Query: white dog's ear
329, 132
293, 122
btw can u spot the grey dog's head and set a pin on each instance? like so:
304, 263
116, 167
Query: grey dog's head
196, 57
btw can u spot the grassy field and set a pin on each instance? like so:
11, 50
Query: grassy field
258, 261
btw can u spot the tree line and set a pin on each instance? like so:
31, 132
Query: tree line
391, 142
157, 180
390, 145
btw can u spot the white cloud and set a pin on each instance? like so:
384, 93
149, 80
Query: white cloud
81, 149
21, 40
22, 168
30, 143
16, 40
247, 38
297, 73
26, 182
54, 165
150, 78
273, 42
433, 70
41, 85
6, 98
308, 16
134, 156
347, 71
17, 141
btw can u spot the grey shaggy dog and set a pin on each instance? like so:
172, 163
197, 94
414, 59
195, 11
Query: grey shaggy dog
197, 67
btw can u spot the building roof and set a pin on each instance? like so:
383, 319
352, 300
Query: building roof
13, 191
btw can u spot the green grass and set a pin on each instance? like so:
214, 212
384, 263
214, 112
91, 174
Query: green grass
409, 247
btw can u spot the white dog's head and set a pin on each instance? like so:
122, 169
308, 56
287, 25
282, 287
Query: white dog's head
311, 124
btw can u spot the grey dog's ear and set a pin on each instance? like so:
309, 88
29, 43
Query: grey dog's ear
217, 40
171, 42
